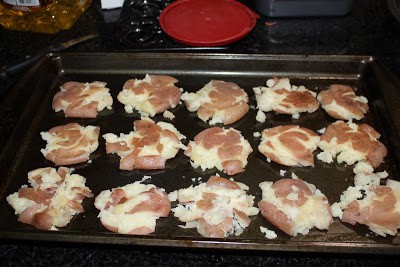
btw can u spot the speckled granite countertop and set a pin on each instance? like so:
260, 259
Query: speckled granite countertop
369, 29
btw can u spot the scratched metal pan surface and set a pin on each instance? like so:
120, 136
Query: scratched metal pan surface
27, 111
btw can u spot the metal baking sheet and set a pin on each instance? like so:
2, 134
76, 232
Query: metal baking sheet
27, 111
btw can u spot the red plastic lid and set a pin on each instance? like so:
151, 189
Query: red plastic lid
207, 22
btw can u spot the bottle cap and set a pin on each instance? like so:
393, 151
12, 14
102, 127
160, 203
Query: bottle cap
207, 22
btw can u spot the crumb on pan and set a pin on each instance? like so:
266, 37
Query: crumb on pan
168, 115
268, 233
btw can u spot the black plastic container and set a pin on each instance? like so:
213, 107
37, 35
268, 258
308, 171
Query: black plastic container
300, 8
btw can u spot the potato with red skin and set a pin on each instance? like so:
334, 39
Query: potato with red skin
148, 147
351, 143
217, 208
341, 102
289, 145
294, 206
132, 209
82, 100
70, 143
54, 198
218, 102
283, 98
225, 149
150, 96
375, 206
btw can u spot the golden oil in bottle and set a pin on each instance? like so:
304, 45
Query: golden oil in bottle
45, 16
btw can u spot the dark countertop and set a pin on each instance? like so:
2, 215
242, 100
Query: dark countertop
369, 29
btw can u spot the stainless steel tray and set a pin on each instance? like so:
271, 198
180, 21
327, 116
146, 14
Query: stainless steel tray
27, 111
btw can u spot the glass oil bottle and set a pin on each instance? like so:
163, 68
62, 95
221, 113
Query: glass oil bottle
44, 16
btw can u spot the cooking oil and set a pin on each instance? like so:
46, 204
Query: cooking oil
44, 16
